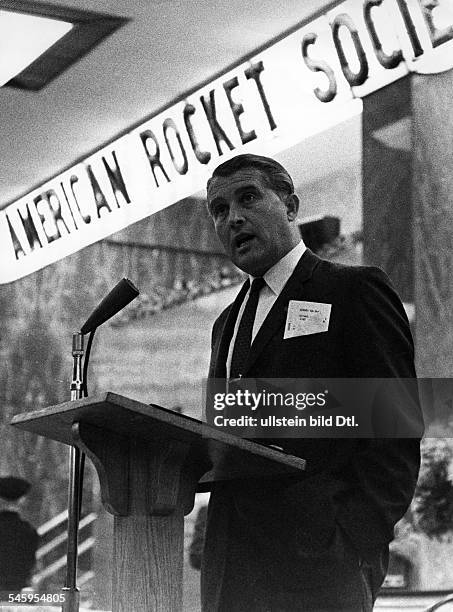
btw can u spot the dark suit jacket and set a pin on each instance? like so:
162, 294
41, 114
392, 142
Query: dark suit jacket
18, 545
264, 536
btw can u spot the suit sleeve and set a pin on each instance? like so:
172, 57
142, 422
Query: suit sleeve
383, 470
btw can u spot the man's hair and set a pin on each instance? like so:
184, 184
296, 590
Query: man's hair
274, 174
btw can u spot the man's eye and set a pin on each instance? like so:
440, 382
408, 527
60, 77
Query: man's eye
248, 197
220, 210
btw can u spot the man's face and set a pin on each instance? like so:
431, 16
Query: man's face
254, 224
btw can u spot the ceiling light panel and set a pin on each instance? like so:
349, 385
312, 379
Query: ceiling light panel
24, 38
39, 40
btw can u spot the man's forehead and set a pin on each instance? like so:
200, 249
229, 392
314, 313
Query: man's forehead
225, 184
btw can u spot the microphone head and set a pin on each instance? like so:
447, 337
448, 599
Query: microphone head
124, 292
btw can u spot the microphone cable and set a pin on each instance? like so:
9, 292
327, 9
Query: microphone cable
85, 363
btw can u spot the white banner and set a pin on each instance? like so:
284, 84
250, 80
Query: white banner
308, 81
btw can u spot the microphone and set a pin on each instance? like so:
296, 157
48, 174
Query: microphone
119, 297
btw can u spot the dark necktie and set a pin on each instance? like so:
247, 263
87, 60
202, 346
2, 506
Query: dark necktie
243, 339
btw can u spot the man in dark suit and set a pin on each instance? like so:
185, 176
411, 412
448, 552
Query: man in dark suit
18, 539
317, 541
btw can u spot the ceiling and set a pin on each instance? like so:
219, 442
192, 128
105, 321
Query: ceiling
167, 48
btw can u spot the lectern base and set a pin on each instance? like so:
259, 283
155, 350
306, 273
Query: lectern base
148, 563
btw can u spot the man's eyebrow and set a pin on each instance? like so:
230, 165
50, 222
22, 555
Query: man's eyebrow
238, 191
250, 187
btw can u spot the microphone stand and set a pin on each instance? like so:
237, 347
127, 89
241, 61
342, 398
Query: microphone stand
123, 293
76, 462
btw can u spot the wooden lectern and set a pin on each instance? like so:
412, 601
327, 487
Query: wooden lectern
151, 462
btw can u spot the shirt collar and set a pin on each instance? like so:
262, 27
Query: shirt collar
280, 273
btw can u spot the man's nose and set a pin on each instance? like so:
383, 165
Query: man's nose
236, 216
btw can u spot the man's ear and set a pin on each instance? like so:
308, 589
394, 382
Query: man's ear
292, 206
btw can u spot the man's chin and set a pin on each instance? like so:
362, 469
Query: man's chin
249, 264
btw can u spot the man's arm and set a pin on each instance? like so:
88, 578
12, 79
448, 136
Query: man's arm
383, 470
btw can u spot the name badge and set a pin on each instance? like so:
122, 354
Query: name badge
305, 318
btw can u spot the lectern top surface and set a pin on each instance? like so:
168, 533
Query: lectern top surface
231, 457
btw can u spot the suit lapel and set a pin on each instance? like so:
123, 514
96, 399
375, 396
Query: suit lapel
226, 333
276, 317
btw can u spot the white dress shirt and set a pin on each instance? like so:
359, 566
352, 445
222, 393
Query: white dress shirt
276, 278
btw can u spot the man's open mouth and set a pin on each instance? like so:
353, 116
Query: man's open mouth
242, 241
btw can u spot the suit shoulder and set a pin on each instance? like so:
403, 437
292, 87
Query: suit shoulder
222, 316
353, 277
351, 271
374, 302
371, 279
219, 323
